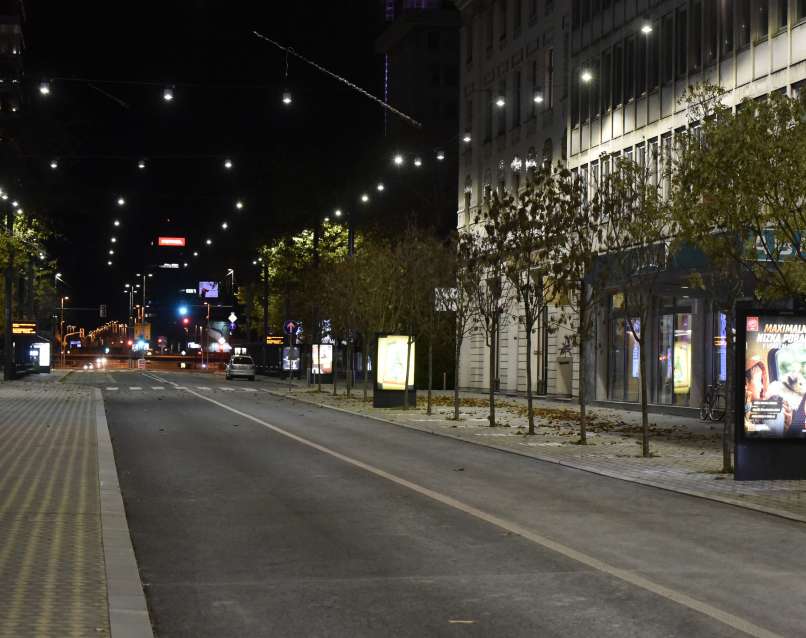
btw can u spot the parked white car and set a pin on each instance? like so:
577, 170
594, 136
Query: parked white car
241, 366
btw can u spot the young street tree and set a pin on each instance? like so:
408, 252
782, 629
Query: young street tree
492, 299
637, 223
531, 228
469, 278
582, 283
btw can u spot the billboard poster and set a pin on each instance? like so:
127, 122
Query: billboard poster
291, 358
325, 351
775, 377
208, 289
392, 362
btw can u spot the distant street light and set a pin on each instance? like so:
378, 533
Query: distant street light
500, 102
44, 87
364, 198
337, 212
228, 164
399, 160
224, 225
239, 204
467, 139
111, 252
141, 165
418, 162
54, 164
168, 94
113, 239
195, 253
287, 98
440, 155
586, 76
116, 222
646, 28
121, 201
380, 187
209, 242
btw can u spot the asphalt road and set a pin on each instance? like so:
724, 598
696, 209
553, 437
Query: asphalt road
253, 515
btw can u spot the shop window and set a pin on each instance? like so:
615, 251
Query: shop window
674, 357
624, 354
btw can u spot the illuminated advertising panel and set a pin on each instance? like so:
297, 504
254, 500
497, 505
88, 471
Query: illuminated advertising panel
392, 363
291, 358
23, 328
775, 377
208, 289
325, 351
171, 241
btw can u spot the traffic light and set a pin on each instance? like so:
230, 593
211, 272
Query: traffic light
185, 321
183, 310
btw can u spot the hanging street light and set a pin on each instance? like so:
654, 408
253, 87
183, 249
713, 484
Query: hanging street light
44, 87
168, 94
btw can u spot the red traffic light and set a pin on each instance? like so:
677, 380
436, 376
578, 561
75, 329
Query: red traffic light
185, 321
130, 342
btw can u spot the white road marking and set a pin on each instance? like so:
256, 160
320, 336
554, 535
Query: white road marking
227, 389
178, 387
157, 387
627, 576
249, 389
135, 387
202, 387
113, 387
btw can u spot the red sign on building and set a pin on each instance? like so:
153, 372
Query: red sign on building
171, 241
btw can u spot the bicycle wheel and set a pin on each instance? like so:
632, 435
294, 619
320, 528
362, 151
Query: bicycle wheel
719, 407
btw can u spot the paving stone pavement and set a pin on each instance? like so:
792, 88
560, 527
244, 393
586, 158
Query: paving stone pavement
51, 553
687, 453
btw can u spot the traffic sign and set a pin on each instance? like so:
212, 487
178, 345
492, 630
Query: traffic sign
290, 327
232, 317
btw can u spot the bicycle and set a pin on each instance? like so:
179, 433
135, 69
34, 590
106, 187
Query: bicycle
714, 404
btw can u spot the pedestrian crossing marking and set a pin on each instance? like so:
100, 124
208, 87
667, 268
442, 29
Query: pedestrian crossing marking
157, 387
249, 389
112, 387
227, 389
135, 387
202, 387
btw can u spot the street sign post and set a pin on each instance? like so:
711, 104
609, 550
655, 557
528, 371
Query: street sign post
290, 327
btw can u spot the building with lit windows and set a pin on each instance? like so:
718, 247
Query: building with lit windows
627, 64
639, 58
513, 103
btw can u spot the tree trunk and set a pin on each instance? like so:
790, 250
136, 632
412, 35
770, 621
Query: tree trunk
493, 335
335, 365
349, 381
644, 398
583, 417
406, 379
730, 382
365, 359
430, 372
529, 412
582, 328
456, 356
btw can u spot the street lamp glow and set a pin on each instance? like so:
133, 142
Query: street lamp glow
380, 187
121, 201
646, 28
111, 252
209, 242
109, 263
54, 164
228, 164
195, 253
127, 285
287, 98
239, 204
44, 87
538, 98
4, 196
440, 155
326, 219
500, 102
467, 139
113, 240
141, 165
364, 198
586, 76
14, 203
224, 225
254, 262
337, 212
398, 159
116, 222
418, 162
168, 94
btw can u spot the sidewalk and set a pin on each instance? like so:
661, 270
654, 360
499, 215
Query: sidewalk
686, 453
63, 564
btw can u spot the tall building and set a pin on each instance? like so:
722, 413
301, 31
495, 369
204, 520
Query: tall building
616, 70
514, 97
420, 45
12, 44
638, 59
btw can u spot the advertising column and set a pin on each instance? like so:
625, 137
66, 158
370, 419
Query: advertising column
771, 395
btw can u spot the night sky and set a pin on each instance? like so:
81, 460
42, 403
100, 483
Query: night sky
290, 164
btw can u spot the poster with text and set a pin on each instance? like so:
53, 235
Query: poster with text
392, 362
775, 377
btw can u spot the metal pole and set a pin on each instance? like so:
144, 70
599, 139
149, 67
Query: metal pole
61, 333
8, 367
265, 310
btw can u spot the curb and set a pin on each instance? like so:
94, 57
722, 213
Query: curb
570, 464
128, 613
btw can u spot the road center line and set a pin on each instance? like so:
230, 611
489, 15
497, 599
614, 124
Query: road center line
622, 574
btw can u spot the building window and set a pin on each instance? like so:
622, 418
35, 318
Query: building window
502, 18
502, 112
586, 11
432, 40
640, 66
653, 159
518, 99
743, 23
674, 356
681, 43
629, 69
535, 89
488, 116
469, 41
584, 96
575, 14
761, 28
595, 90
517, 15
575, 98
532, 10
695, 41
604, 85
624, 354
548, 86
548, 152
667, 61
783, 14
726, 28
618, 77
